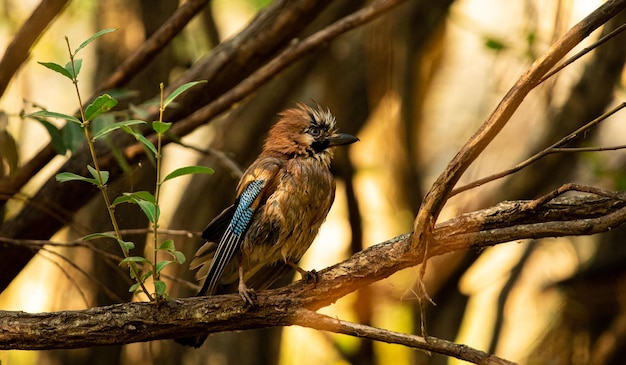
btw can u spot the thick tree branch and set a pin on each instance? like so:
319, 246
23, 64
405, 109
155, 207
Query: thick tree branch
136, 322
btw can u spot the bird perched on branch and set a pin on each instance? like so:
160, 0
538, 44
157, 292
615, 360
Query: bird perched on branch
282, 200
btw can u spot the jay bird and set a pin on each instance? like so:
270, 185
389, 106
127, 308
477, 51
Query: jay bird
282, 200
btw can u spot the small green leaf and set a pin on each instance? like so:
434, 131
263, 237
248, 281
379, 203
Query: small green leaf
77, 65
149, 209
122, 199
143, 195
161, 265
180, 257
70, 176
495, 44
102, 104
160, 287
145, 276
167, 245
134, 288
139, 137
126, 245
73, 136
104, 175
146, 143
181, 89
56, 138
161, 127
58, 68
135, 259
93, 37
111, 127
188, 170
99, 235
47, 114
133, 197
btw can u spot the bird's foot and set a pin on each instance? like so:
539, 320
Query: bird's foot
307, 276
310, 276
247, 294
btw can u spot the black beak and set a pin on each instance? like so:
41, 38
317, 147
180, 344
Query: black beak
341, 139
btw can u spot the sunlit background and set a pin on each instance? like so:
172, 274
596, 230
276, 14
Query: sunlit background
414, 92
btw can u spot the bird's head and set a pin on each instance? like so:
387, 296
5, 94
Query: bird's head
305, 131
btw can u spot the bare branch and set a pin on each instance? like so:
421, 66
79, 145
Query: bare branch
437, 196
307, 318
550, 150
583, 52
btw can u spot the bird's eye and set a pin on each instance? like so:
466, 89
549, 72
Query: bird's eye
314, 131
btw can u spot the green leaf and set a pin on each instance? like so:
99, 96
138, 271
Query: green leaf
160, 287
134, 288
139, 137
47, 114
135, 259
126, 245
133, 197
92, 38
143, 195
181, 89
145, 276
111, 127
77, 65
70, 176
167, 245
188, 170
144, 200
180, 257
122, 199
495, 44
146, 143
149, 209
161, 127
58, 68
102, 104
73, 136
99, 235
104, 175
161, 265
56, 138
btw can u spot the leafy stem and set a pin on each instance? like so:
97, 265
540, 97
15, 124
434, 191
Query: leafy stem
98, 174
146, 201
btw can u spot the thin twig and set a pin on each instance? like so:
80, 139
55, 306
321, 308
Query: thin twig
583, 52
554, 148
307, 318
222, 158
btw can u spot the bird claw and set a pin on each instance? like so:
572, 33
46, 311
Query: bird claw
310, 276
248, 295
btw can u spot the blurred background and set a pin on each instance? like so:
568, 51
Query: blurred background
413, 84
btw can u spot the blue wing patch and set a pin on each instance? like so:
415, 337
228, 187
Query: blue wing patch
243, 214
231, 240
